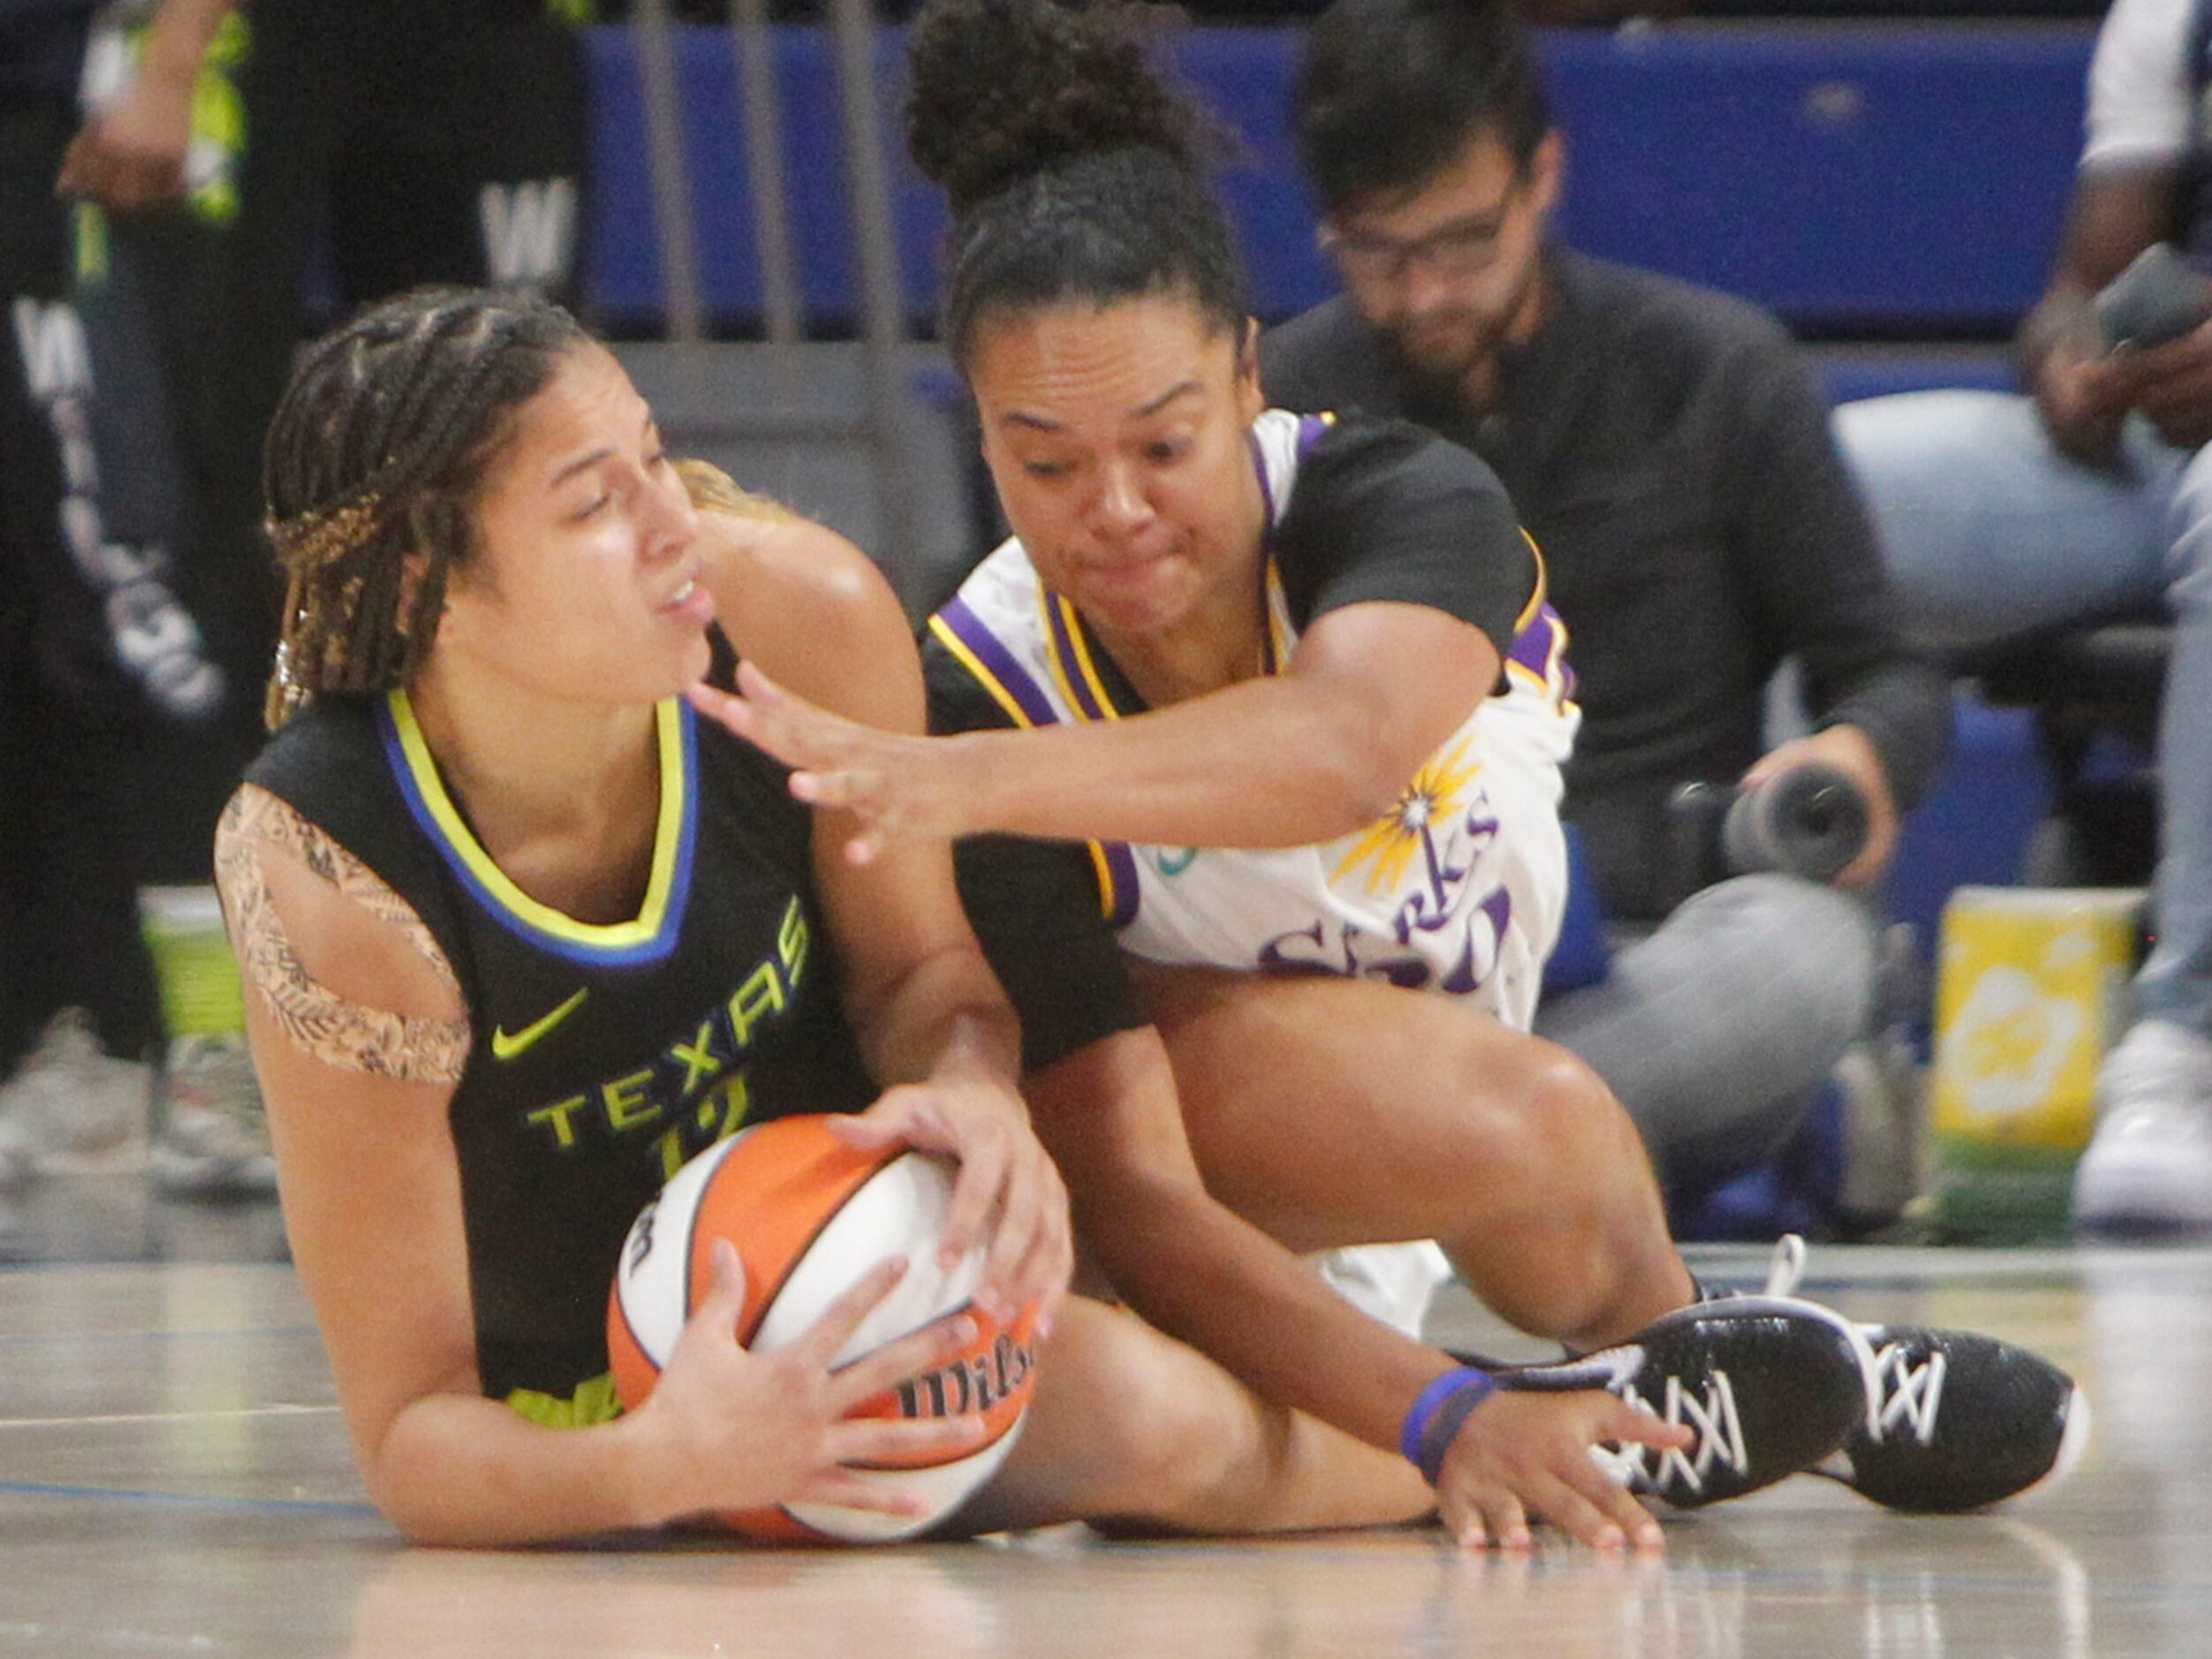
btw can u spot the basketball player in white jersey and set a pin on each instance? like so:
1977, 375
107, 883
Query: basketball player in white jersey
1281, 698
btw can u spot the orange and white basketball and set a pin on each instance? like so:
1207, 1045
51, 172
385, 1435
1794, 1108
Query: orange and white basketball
810, 1215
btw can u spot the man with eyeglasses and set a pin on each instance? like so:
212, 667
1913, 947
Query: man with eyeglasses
1668, 451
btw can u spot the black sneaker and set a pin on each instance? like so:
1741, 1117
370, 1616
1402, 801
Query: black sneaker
1770, 1387
1961, 1421
1966, 1421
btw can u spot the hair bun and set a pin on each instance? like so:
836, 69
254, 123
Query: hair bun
1005, 89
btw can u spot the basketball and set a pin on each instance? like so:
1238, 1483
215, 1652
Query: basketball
810, 1215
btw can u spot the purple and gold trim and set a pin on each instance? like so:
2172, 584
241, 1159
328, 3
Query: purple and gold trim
1072, 663
961, 631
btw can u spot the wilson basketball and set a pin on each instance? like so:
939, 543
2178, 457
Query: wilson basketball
810, 1215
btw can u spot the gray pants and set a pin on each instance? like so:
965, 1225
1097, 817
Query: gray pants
1716, 1028
1990, 533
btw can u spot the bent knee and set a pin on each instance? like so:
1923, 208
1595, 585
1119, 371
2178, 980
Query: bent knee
1156, 1426
1549, 1127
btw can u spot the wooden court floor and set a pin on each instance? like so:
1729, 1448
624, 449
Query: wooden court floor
174, 1481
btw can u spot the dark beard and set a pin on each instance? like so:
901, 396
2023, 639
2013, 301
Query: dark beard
1447, 390
1430, 391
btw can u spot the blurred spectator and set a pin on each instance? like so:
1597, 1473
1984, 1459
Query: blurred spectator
387, 144
414, 142
1667, 449
81, 626
2002, 515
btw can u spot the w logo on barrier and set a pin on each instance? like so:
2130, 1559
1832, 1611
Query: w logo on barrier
50, 339
529, 231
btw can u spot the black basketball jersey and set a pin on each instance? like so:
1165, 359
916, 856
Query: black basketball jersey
601, 1056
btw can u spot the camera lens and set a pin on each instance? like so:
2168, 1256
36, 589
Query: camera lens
1810, 821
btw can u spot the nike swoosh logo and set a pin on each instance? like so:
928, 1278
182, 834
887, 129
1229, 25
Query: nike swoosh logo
504, 1047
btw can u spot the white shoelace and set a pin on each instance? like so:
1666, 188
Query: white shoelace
1712, 1420
1912, 1394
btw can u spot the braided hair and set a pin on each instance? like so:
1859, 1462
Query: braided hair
1072, 168
374, 463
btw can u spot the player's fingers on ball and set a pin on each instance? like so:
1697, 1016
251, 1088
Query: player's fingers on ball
723, 1303
977, 1190
1019, 1262
2178, 398
864, 1440
1048, 1262
883, 1124
848, 1490
1006, 1272
822, 1341
893, 1363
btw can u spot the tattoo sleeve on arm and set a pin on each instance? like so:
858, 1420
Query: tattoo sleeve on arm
315, 1020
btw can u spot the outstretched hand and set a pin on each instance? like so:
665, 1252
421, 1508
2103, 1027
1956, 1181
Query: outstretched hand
894, 784
1523, 1454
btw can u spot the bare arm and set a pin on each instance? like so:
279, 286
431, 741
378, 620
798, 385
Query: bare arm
803, 603
1309, 754
1200, 1272
1194, 1268
2115, 215
130, 156
358, 1097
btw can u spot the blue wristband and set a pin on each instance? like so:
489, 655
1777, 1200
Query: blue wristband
1435, 1416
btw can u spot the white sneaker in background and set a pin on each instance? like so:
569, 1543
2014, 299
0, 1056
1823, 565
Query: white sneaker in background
72, 1108
211, 1137
2149, 1164
19, 1158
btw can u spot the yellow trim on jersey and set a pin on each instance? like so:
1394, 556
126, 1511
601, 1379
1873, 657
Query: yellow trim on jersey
667, 835
973, 663
1109, 892
1543, 584
1553, 681
1071, 623
1277, 606
593, 1402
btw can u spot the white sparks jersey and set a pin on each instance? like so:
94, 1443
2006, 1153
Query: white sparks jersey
1458, 889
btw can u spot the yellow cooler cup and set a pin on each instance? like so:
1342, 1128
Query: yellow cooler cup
2031, 989
202, 994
